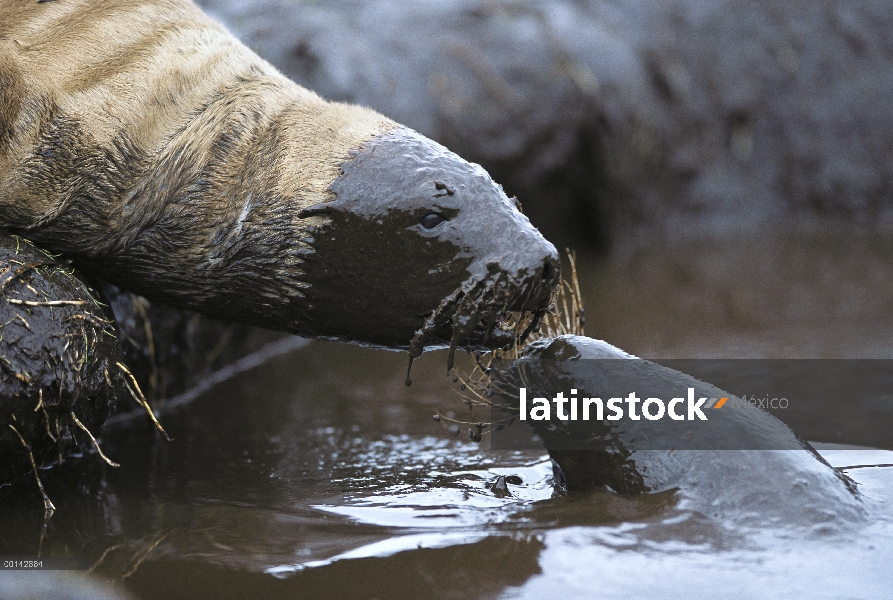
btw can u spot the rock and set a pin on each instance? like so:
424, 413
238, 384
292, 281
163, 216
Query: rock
58, 359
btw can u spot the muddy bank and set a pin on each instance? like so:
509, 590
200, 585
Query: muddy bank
75, 350
68, 348
58, 356
606, 119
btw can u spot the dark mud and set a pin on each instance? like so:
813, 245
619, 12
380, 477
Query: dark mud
58, 356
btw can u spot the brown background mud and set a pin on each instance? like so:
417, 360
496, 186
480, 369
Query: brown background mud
621, 118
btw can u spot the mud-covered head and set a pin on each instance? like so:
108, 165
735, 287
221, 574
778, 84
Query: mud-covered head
421, 249
572, 347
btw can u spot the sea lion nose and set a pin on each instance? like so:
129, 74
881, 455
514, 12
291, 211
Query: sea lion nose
546, 269
551, 271
550, 276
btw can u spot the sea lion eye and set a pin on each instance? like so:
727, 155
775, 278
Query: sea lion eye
432, 220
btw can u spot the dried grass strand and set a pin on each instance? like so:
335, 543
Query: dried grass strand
565, 316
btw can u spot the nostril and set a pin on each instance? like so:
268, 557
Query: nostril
550, 275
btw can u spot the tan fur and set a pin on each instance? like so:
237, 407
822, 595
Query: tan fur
150, 147
170, 82
144, 141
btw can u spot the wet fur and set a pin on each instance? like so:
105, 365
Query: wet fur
750, 467
155, 149
161, 155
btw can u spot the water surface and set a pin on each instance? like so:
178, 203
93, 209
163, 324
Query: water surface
321, 475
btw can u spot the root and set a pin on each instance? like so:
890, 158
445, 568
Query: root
143, 557
137, 394
255, 359
102, 558
97, 322
47, 503
46, 416
109, 461
11, 275
22, 319
46, 302
140, 304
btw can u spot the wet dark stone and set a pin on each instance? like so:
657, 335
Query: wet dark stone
500, 487
58, 355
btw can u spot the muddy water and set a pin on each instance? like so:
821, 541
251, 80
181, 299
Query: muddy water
819, 293
320, 475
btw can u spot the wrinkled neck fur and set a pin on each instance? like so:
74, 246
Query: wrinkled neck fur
195, 206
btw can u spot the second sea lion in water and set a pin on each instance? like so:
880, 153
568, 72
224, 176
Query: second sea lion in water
160, 154
746, 465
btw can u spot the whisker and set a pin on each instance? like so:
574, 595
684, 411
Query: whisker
564, 315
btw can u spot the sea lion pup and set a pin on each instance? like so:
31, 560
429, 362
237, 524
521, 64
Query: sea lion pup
160, 154
740, 464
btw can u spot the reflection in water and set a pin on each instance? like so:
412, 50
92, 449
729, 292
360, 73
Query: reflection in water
320, 474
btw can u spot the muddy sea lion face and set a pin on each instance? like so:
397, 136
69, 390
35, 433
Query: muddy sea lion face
421, 248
